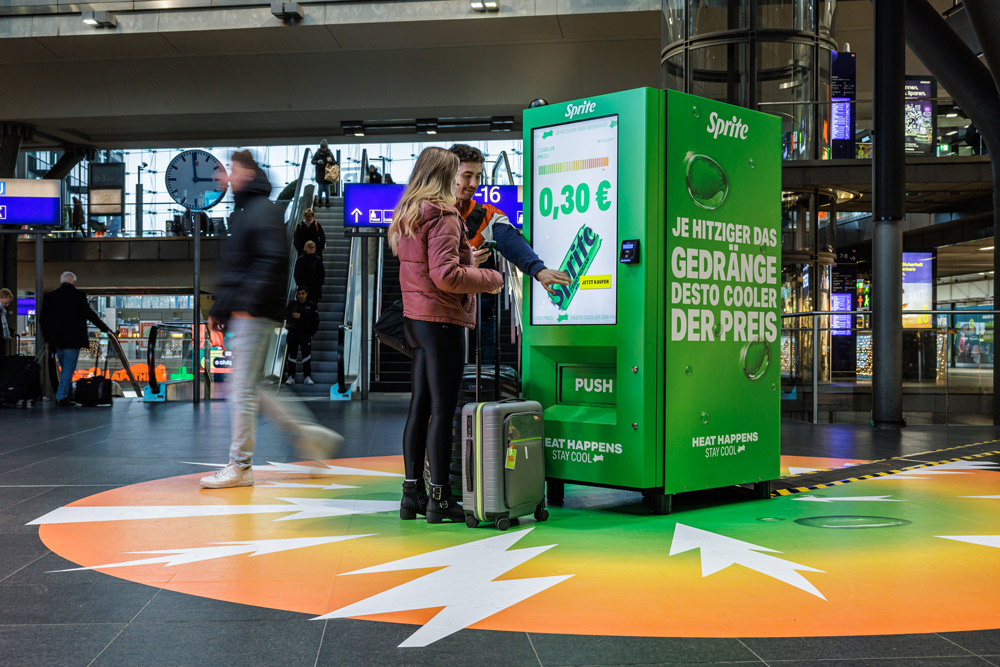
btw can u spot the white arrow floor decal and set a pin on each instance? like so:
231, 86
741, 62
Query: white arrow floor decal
719, 552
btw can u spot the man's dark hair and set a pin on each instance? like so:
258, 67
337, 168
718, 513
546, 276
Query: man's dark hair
467, 153
245, 159
301, 289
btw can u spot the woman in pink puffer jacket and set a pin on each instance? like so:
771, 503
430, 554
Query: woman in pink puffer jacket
439, 279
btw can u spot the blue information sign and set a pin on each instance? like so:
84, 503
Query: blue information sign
29, 202
371, 206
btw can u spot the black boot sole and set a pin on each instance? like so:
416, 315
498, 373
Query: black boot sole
434, 517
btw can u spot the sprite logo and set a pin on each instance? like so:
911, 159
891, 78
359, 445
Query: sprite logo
577, 261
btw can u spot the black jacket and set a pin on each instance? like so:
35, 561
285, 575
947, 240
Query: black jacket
308, 322
309, 273
309, 232
319, 159
253, 275
65, 313
374, 177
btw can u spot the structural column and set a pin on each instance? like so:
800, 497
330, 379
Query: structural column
889, 192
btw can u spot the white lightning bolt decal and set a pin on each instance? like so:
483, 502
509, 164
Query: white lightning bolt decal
981, 540
464, 588
719, 552
297, 468
301, 508
950, 468
319, 487
220, 550
873, 499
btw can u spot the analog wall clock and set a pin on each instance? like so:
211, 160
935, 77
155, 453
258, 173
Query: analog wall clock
196, 180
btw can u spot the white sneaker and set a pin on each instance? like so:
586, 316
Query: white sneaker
308, 380
318, 443
290, 380
231, 475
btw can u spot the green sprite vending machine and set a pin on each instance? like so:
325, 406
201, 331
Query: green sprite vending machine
659, 367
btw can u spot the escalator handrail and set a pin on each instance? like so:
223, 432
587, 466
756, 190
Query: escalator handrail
154, 385
502, 159
125, 363
293, 214
350, 298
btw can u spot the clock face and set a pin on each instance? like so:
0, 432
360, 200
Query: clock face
197, 180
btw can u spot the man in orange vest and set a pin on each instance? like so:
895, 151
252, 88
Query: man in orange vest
485, 222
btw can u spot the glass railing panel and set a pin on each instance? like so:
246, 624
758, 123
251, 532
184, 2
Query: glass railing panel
947, 369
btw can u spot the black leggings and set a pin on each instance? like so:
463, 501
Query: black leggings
438, 364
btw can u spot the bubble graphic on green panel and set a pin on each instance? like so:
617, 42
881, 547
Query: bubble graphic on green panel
755, 358
707, 183
705, 417
688, 370
852, 522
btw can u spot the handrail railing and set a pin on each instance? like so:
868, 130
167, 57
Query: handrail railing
496, 168
377, 310
125, 363
349, 346
275, 359
154, 331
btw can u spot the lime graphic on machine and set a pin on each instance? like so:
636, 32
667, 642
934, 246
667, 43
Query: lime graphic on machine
577, 261
665, 210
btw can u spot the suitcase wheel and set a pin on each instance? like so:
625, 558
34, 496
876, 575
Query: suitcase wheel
541, 514
471, 521
502, 523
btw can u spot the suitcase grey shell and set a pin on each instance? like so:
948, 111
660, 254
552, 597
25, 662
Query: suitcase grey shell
503, 462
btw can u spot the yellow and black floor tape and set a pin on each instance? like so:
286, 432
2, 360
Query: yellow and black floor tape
880, 468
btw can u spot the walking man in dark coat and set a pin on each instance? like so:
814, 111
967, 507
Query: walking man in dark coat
250, 302
65, 313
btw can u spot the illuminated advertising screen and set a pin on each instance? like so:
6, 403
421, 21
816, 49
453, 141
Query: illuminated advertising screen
918, 288
919, 117
575, 212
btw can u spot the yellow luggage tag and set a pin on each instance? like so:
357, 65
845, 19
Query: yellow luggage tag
511, 456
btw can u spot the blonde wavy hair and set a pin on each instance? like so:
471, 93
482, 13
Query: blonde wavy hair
433, 180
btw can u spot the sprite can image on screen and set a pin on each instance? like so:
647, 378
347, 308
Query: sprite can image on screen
577, 261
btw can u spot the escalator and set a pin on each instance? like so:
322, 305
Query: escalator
126, 381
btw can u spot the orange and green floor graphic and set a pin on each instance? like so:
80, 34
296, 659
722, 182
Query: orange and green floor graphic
908, 553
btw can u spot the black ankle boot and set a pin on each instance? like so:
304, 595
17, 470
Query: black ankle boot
414, 500
442, 505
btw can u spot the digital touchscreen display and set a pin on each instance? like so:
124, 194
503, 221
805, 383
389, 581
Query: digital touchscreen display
574, 213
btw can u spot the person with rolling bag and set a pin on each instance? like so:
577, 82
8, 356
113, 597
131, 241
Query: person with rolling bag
503, 462
438, 279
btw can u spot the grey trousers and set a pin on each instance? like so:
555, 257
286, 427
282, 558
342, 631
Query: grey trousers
246, 394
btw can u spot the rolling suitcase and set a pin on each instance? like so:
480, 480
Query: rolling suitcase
20, 379
94, 391
503, 458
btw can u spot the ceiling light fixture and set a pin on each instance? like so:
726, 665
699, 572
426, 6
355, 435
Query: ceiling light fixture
501, 124
986, 248
484, 5
100, 19
427, 126
355, 127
